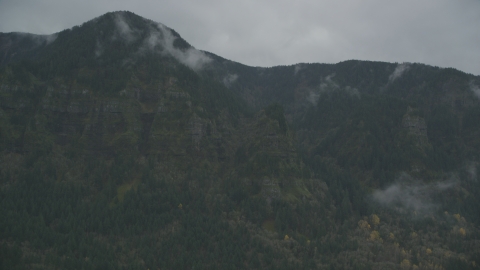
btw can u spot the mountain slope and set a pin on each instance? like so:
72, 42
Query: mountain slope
124, 147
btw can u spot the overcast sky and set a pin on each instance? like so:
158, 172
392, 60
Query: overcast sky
283, 32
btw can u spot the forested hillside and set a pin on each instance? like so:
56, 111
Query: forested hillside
124, 147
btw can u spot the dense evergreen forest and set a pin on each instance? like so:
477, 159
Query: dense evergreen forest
124, 147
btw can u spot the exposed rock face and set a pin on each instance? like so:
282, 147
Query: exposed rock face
266, 161
162, 109
195, 126
178, 95
415, 124
270, 189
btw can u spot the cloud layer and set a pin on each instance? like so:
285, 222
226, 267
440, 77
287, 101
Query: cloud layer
159, 39
163, 37
408, 194
398, 72
327, 85
436, 32
123, 29
230, 79
475, 89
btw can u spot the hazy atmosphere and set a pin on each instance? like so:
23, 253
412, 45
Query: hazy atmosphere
341, 135
267, 33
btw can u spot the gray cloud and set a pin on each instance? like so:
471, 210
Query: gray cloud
229, 79
398, 72
471, 169
475, 89
39, 39
328, 85
163, 38
408, 194
297, 68
436, 32
98, 49
328, 82
123, 29
352, 91
50, 38
159, 39
313, 97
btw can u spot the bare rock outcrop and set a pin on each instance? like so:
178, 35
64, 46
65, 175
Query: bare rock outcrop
416, 126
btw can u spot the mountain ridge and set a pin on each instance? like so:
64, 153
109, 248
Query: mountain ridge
122, 146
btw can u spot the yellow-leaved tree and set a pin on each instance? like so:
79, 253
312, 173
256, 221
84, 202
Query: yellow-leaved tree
363, 225
375, 220
375, 235
405, 264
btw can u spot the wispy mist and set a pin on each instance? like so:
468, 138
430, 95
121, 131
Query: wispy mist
39, 39
297, 68
161, 37
230, 79
475, 89
352, 91
328, 85
191, 57
472, 171
328, 81
313, 97
123, 29
398, 72
49, 38
408, 194
98, 49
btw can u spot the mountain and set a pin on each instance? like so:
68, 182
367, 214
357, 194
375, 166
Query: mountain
124, 147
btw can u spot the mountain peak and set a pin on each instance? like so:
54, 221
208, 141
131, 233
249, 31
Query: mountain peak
146, 36
111, 144
107, 36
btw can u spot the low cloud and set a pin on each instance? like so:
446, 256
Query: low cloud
98, 49
161, 38
328, 80
123, 29
398, 72
297, 68
328, 85
352, 91
49, 38
471, 169
409, 194
39, 40
230, 79
475, 89
313, 97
